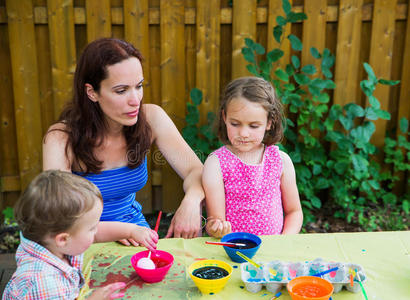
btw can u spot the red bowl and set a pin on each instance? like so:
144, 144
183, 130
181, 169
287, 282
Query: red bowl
162, 260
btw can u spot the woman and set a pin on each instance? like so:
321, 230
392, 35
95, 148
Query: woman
105, 133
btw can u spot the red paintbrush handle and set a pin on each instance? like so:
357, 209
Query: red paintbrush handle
158, 219
221, 244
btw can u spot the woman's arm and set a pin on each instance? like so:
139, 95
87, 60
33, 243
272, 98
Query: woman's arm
293, 215
212, 181
114, 231
54, 146
187, 218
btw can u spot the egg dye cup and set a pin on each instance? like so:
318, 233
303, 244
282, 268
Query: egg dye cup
162, 260
318, 283
208, 286
231, 251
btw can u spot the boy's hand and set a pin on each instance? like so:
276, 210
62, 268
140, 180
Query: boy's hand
218, 228
144, 236
107, 292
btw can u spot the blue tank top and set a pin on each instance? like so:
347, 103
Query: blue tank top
118, 187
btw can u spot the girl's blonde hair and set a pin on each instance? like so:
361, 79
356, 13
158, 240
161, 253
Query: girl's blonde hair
53, 202
257, 90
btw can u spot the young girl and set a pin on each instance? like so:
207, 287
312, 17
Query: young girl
250, 185
58, 215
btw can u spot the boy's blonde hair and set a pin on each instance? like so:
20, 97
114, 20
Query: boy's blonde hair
258, 90
52, 203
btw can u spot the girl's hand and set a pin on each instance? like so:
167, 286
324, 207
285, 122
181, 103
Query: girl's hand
107, 292
129, 242
218, 228
145, 236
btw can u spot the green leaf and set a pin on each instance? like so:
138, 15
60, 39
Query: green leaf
282, 75
192, 118
323, 98
249, 42
382, 114
327, 73
295, 42
295, 61
290, 70
353, 110
252, 69
359, 163
317, 169
316, 202
281, 20
296, 17
315, 53
374, 102
404, 125
370, 73
196, 96
371, 113
189, 133
248, 55
289, 87
335, 111
274, 55
363, 132
388, 82
309, 69
406, 206
322, 183
328, 61
286, 6
258, 48
346, 122
277, 33
302, 79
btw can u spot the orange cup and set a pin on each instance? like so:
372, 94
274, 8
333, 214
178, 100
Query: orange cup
309, 288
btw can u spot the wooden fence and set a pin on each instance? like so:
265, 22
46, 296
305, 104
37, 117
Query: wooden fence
186, 44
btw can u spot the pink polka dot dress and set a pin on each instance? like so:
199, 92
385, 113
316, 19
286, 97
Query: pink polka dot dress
253, 201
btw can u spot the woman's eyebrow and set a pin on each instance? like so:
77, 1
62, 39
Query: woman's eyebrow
124, 85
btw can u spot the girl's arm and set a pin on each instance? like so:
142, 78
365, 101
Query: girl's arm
293, 215
114, 231
186, 222
54, 154
212, 182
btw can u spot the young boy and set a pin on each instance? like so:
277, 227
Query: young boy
58, 215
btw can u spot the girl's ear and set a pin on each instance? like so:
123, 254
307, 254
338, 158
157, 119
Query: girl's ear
224, 116
61, 239
268, 126
92, 95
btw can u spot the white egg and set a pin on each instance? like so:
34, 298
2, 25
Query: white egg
146, 263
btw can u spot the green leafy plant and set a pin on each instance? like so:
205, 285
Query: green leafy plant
201, 138
8, 214
330, 145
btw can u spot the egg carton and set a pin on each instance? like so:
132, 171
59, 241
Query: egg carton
276, 274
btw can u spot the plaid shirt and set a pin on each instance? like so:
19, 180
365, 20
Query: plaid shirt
42, 275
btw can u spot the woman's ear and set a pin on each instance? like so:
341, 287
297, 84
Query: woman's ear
92, 95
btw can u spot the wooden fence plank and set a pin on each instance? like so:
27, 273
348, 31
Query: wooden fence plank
347, 51
172, 87
404, 100
314, 30
381, 49
25, 88
98, 14
275, 9
136, 31
62, 46
207, 57
242, 10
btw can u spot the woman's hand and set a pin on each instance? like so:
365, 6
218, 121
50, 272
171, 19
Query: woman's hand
108, 292
218, 228
186, 222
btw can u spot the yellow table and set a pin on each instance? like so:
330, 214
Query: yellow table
385, 257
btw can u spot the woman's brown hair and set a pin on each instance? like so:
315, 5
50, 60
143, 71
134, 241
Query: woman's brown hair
52, 203
258, 90
84, 119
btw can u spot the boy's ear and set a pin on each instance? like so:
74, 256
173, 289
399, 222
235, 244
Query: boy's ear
92, 95
61, 239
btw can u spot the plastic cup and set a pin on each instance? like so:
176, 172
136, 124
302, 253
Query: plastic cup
231, 251
162, 260
208, 286
309, 288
